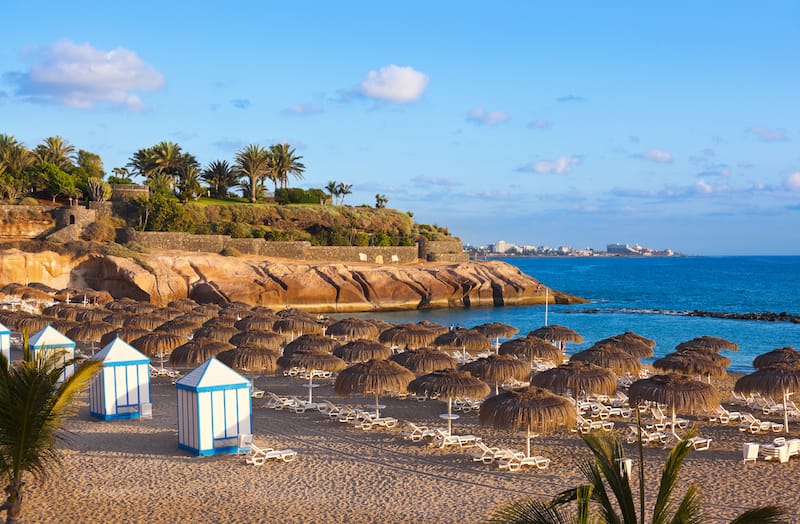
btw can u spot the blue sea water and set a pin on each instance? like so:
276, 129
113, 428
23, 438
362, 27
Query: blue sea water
648, 296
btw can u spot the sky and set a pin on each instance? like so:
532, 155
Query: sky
668, 124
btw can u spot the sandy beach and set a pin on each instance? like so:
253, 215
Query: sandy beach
132, 471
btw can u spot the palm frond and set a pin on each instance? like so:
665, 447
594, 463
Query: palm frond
669, 476
689, 511
765, 515
530, 512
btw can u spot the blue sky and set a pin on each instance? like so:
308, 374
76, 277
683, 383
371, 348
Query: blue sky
670, 124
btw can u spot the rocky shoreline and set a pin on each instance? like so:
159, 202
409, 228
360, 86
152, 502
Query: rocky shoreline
322, 287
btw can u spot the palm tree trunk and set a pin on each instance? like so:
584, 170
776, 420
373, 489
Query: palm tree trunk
13, 504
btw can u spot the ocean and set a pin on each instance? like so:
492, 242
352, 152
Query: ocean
650, 296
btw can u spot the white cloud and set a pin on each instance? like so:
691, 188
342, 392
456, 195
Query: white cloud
81, 76
559, 166
303, 109
481, 117
766, 134
656, 155
792, 182
423, 180
395, 84
540, 124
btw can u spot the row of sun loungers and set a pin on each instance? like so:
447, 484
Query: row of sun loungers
257, 456
748, 422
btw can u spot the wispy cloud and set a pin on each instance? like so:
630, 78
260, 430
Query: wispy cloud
559, 166
766, 134
792, 182
655, 155
302, 109
540, 124
672, 192
241, 103
715, 170
230, 144
570, 98
82, 76
394, 84
483, 118
423, 180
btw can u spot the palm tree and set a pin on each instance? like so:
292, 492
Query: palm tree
141, 163
381, 201
344, 190
605, 474
285, 162
57, 151
220, 177
34, 406
189, 186
253, 163
333, 189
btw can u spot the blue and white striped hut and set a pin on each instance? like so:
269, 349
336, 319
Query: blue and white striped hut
49, 339
214, 408
122, 386
5, 342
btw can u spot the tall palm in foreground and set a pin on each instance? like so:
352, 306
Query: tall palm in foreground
34, 406
253, 163
284, 163
609, 493
220, 177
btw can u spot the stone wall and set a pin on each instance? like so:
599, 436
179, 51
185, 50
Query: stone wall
22, 222
455, 258
376, 255
256, 246
442, 251
124, 192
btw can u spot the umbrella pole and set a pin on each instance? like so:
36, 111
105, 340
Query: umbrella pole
673, 424
377, 408
310, 384
785, 413
449, 415
528, 440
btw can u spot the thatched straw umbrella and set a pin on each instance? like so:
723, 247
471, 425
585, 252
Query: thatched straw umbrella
353, 328
382, 325
631, 343
708, 343
250, 358
256, 323
117, 318
433, 326
310, 342
225, 320
496, 330
609, 357
362, 350
311, 361
91, 315
784, 355
557, 335
298, 326
293, 312
184, 304
146, 321
373, 377
221, 333
261, 339
463, 339
262, 311
33, 323
531, 348
679, 393
125, 333
449, 384
197, 351
424, 360
577, 377
61, 311
532, 409
498, 368
694, 363
91, 331
179, 326
63, 325
157, 344
778, 379
407, 336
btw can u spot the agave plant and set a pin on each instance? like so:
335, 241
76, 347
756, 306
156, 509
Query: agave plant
34, 406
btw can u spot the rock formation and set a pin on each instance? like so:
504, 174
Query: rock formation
160, 277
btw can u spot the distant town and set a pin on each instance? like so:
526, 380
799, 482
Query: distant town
506, 249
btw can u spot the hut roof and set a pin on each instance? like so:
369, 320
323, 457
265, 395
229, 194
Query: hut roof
119, 351
211, 375
50, 337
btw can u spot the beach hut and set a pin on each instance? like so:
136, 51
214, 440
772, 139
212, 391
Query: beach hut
122, 386
49, 339
214, 408
5, 342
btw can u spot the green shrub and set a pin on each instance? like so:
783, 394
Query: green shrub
29, 201
230, 252
296, 195
101, 230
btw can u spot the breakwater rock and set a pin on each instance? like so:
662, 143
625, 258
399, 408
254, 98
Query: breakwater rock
767, 316
160, 277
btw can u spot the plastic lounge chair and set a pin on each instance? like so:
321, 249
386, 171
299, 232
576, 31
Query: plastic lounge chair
276, 402
750, 423
463, 441
418, 433
648, 437
367, 421
515, 461
486, 454
700, 443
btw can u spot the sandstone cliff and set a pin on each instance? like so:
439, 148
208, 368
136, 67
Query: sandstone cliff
319, 287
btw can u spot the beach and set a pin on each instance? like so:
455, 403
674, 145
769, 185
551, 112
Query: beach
133, 471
